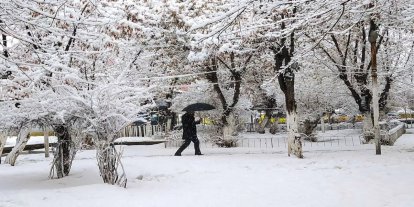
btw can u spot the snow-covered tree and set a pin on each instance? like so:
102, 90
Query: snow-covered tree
72, 69
347, 49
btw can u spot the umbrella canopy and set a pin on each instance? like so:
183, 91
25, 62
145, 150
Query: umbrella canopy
199, 107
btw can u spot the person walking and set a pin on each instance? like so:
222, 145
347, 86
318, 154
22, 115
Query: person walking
189, 133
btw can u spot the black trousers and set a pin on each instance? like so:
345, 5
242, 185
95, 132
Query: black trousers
187, 143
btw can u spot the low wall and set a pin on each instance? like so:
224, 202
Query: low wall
391, 136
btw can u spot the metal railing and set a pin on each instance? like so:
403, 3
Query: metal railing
250, 127
273, 142
145, 130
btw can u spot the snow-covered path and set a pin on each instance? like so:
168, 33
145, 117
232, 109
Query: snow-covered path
222, 177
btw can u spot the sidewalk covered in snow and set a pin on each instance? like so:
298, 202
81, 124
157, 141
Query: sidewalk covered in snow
241, 177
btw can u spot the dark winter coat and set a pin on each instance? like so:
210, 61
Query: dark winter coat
189, 126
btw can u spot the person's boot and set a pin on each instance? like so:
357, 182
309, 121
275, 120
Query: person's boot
182, 148
178, 153
197, 147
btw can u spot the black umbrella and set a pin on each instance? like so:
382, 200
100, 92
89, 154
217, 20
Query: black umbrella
199, 107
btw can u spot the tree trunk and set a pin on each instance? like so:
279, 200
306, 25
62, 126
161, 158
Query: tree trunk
4, 42
308, 129
3, 139
236, 76
294, 142
375, 99
274, 127
322, 125
368, 132
231, 129
108, 162
286, 78
46, 141
64, 153
262, 125
21, 141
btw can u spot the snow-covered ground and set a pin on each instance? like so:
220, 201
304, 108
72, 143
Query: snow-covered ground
230, 177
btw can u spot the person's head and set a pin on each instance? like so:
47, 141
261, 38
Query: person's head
191, 113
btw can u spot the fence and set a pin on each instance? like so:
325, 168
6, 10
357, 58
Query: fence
250, 127
208, 136
280, 140
274, 142
145, 130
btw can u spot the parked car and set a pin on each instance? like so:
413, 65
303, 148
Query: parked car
391, 116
